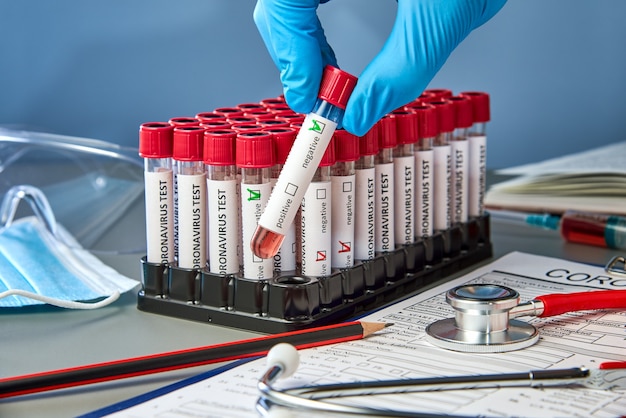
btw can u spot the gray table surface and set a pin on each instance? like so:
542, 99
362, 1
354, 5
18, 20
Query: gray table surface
43, 340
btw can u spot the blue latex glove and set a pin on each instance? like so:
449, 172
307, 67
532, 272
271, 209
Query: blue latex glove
423, 36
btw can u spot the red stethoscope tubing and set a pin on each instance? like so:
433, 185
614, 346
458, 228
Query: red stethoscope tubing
556, 304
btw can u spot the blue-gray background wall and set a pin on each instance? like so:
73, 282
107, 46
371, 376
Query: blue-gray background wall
555, 69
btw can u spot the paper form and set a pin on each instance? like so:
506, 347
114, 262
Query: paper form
569, 340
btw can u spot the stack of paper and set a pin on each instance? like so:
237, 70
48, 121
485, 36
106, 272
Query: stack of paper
592, 181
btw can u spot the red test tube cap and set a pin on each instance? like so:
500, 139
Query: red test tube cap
283, 138
219, 147
156, 140
406, 126
254, 150
188, 143
346, 146
387, 132
427, 124
273, 123
480, 105
368, 143
216, 124
439, 94
184, 121
463, 111
229, 112
445, 115
336, 86
209, 117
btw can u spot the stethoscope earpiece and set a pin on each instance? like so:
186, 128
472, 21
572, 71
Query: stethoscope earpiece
482, 323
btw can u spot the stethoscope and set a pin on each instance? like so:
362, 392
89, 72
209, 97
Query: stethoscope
482, 324
483, 321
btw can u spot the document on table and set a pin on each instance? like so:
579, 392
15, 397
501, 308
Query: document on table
570, 340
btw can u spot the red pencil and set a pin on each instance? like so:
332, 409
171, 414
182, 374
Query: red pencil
156, 363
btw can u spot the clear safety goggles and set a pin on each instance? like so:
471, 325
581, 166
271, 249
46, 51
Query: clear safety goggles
94, 188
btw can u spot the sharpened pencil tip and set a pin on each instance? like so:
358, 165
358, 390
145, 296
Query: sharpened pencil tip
389, 324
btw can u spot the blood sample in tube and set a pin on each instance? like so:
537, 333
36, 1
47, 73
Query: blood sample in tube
304, 158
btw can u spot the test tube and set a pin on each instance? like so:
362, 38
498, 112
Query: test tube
384, 185
255, 157
404, 175
222, 201
478, 152
342, 178
365, 196
303, 160
315, 239
283, 138
191, 196
442, 198
425, 161
460, 158
184, 121
155, 147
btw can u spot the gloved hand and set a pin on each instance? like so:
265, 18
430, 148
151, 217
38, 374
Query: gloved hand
423, 36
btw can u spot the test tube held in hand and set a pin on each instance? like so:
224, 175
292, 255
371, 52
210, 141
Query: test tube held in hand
222, 201
342, 177
155, 147
255, 157
191, 200
303, 160
478, 152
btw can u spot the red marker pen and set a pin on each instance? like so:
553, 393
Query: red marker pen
283, 138
255, 157
384, 184
191, 196
478, 152
315, 239
222, 201
365, 196
425, 163
342, 178
155, 147
404, 175
304, 158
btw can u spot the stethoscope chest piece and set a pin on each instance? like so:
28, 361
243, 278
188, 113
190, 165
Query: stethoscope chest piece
481, 323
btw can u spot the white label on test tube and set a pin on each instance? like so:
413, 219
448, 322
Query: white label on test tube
385, 231
315, 230
343, 209
477, 174
404, 178
442, 191
159, 216
424, 161
460, 183
365, 221
285, 258
253, 200
223, 219
191, 221
301, 163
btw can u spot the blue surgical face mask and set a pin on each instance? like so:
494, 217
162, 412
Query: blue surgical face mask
39, 265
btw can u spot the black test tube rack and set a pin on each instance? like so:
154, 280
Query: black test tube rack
290, 302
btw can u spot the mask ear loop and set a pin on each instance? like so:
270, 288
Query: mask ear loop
37, 201
42, 210
69, 304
